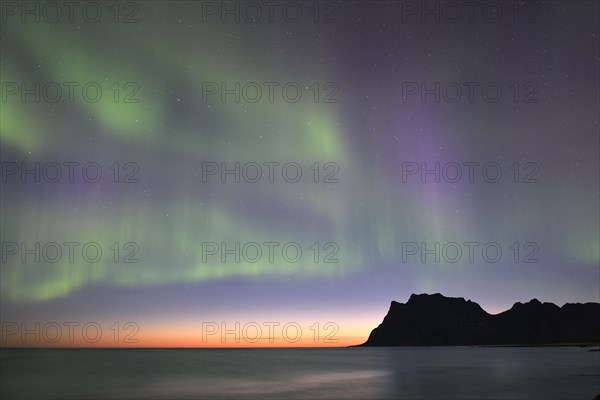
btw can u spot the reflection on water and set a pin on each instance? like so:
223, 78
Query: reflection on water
352, 373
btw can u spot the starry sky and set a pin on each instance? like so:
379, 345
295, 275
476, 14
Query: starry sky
367, 125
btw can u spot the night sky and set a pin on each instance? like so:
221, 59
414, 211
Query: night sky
386, 93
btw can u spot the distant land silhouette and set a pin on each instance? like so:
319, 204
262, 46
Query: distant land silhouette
436, 320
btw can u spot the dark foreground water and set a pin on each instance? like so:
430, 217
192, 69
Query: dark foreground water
350, 373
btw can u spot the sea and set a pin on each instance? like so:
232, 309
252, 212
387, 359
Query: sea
302, 373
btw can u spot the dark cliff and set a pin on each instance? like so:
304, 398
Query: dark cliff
430, 320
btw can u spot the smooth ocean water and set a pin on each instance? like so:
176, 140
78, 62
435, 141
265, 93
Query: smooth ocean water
343, 373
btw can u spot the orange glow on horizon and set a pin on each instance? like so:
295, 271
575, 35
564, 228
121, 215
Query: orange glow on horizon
206, 335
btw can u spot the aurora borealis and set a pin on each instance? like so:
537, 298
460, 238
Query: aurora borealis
365, 131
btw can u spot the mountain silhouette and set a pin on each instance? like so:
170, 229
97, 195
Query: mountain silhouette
432, 320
